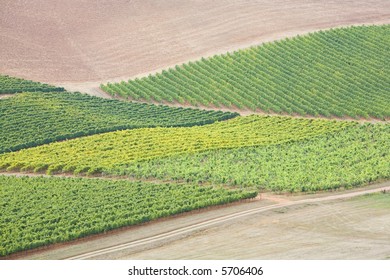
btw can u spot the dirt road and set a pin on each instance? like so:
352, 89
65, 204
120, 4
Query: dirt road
357, 228
73, 42
155, 240
213, 222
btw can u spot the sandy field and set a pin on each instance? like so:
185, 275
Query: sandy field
76, 41
354, 229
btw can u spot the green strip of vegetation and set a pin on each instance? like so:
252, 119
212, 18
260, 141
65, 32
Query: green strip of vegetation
40, 211
10, 85
376, 200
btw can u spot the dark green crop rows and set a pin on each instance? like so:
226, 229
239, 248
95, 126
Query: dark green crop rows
13, 85
340, 72
39, 211
28, 120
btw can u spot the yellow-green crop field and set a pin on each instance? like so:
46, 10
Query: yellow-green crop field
103, 152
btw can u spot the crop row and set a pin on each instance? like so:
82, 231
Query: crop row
39, 211
340, 72
14, 85
355, 156
104, 152
33, 119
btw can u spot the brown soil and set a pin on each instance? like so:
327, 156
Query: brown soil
5, 95
72, 42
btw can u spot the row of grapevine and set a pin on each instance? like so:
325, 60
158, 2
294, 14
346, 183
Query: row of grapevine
355, 156
40, 211
33, 119
104, 152
339, 72
14, 85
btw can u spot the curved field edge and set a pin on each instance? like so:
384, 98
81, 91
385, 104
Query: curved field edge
356, 156
40, 211
11, 85
33, 119
338, 72
104, 152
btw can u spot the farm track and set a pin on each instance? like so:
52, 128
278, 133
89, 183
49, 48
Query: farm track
95, 176
96, 91
113, 244
218, 220
245, 113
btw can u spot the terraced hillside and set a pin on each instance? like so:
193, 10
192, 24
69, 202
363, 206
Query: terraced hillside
340, 72
11, 85
33, 119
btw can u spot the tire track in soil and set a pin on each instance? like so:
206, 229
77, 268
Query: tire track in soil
225, 218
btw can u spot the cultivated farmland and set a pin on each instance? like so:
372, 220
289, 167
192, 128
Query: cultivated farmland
200, 110
355, 156
33, 119
341, 72
75, 42
103, 152
10, 85
39, 211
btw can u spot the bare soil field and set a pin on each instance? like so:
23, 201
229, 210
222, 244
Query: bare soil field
345, 230
73, 42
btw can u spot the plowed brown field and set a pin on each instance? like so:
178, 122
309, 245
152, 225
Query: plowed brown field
76, 41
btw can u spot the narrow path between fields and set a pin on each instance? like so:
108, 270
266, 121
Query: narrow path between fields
247, 112
107, 177
185, 230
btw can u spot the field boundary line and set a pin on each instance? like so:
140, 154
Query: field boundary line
218, 220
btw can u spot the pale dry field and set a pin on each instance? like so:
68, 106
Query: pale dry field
352, 229
76, 41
